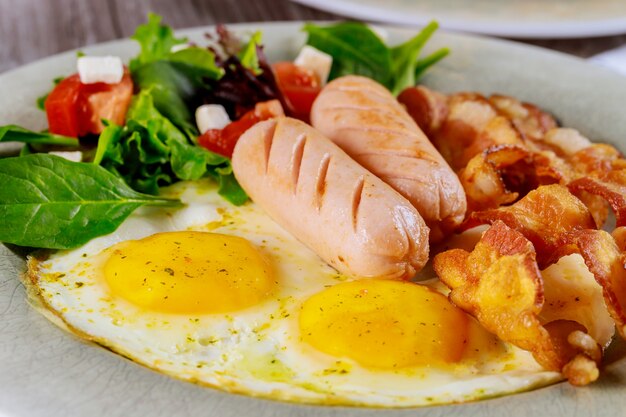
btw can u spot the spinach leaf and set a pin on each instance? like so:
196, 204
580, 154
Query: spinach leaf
356, 49
424, 63
14, 133
197, 63
177, 80
156, 41
49, 202
177, 84
172, 92
404, 58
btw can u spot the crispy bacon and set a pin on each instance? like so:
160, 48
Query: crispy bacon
619, 234
530, 120
606, 262
597, 160
612, 189
499, 283
427, 107
542, 216
468, 115
572, 294
467, 127
482, 180
564, 141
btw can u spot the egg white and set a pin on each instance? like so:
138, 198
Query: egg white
257, 350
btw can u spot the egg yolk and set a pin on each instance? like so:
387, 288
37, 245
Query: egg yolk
385, 324
189, 272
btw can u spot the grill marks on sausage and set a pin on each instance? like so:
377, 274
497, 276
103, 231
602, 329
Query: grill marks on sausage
268, 141
320, 183
357, 196
296, 160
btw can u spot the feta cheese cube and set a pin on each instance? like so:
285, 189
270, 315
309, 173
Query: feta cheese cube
316, 61
100, 69
211, 116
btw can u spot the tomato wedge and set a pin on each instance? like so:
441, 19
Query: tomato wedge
61, 107
223, 141
299, 86
75, 109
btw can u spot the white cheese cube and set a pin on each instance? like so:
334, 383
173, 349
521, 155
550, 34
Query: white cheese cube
211, 116
316, 61
100, 69
74, 156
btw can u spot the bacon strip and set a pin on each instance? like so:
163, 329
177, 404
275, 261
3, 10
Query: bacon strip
530, 120
482, 179
542, 216
499, 283
612, 189
606, 262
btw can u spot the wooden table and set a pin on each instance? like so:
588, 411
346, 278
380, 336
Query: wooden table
32, 29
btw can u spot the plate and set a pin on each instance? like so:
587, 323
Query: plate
45, 371
514, 18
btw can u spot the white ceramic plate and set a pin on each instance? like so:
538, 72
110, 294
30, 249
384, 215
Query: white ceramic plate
47, 372
514, 18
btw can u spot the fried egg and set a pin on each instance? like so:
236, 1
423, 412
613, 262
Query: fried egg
222, 296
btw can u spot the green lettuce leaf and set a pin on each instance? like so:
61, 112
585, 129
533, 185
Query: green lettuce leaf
156, 41
248, 54
151, 151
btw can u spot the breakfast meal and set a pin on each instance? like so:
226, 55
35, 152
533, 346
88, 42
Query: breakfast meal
323, 230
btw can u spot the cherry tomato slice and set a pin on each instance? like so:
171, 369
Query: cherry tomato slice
75, 109
299, 85
223, 141
103, 101
61, 107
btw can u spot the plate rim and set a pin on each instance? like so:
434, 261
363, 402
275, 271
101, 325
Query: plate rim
552, 29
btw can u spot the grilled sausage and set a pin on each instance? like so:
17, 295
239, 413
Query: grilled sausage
367, 122
349, 217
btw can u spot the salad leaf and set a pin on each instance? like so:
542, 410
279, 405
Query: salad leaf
156, 41
248, 54
150, 151
172, 92
229, 188
14, 133
198, 63
427, 62
49, 202
239, 90
405, 58
356, 49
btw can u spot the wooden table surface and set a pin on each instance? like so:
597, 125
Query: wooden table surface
32, 29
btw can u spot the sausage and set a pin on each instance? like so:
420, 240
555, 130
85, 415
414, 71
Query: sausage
349, 217
367, 122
